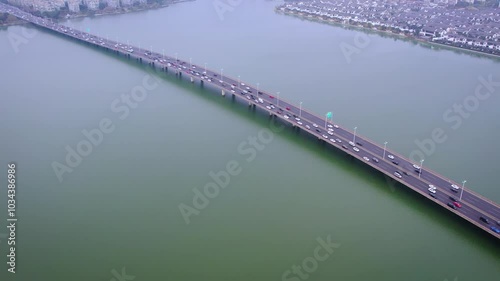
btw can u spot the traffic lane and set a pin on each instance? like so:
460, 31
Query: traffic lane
345, 134
292, 109
372, 148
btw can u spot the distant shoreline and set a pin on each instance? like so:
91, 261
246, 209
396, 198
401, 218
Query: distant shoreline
389, 33
101, 13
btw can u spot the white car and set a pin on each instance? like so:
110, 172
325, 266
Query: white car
329, 126
397, 174
297, 118
308, 127
261, 100
366, 158
352, 144
339, 141
242, 84
390, 156
233, 91
336, 126
268, 107
432, 189
248, 88
248, 97
330, 133
315, 125
431, 186
222, 82
298, 122
332, 140
286, 117
330, 129
454, 186
325, 136
416, 166
355, 149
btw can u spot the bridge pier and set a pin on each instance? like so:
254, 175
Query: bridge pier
192, 80
223, 93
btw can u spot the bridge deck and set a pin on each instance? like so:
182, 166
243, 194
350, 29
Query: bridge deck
473, 207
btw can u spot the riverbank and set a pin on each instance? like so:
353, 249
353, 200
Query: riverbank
126, 10
388, 33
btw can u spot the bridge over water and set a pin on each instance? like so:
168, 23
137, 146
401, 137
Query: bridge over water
474, 208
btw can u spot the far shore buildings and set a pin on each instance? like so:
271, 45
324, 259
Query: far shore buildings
476, 29
74, 6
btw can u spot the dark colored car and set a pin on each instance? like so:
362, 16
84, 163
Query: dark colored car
358, 143
485, 220
432, 194
395, 162
345, 147
405, 173
318, 130
452, 189
495, 229
452, 206
453, 199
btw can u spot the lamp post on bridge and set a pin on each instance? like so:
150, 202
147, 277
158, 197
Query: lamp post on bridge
421, 164
190, 63
205, 68
462, 191
163, 53
354, 136
221, 70
258, 87
175, 57
151, 51
300, 109
238, 81
385, 146
278, 100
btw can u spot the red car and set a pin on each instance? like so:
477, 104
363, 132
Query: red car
271, 97
287, 108
457, 204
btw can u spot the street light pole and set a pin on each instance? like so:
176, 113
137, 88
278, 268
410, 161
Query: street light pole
221, 75
163, 53
257, 87
385, 145
205, 68
238, 81
462, 191
354, 136
190, 63
300, 109
421, 164
278, 100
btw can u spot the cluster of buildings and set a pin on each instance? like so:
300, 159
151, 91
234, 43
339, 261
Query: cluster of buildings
73, 6
439, 22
